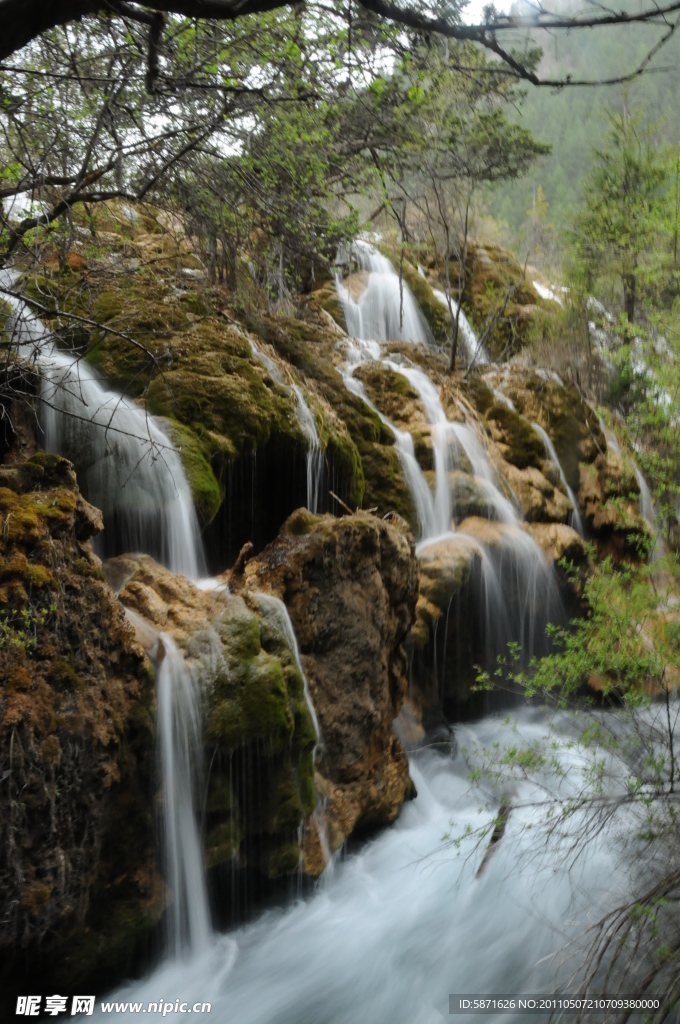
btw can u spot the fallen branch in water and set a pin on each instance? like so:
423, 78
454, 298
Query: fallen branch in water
497, 834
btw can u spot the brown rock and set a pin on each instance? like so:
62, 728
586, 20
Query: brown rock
540, 500
78, 881
557, 541
350, 586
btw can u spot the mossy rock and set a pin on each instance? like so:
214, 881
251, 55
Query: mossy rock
524, 446
327, 298
479, 394
572, 425
193, 450
310, 349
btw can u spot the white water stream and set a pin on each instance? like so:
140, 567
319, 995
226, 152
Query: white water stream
307, 421
276, 608
181, 742
575, 515
126, 464
383, 312
406, 922
474, 350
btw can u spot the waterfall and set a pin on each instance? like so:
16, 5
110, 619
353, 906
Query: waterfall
442, 433
515, 591
575, 516
403, 442
474, 349
315, 459
376, 313
126, 464
646, 500
179, 727
307, 421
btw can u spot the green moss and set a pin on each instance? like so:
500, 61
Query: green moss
85, 568
251, 703
205, 489
571, 425
434, 311
524, 444
280, 860
311, 350
239, 631
63, 676
346, 460
479, 394
222, 843
327, 298
300, 523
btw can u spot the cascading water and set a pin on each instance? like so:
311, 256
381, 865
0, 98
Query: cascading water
307, 421
179, 727
384, 311
413, 474
515, 590
436, 925
474, 350
646, 501
126, 464
315, 459
408, 920
575, 515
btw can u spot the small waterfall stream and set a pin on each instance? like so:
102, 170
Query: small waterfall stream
181, 742
383, 311
516, 592
474, 349
575, 515
275, 606
127, 466
307, 421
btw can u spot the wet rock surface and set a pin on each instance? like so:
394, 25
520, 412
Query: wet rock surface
78, 879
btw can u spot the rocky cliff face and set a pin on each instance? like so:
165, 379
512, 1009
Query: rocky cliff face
350, 586
78, 877
77, 745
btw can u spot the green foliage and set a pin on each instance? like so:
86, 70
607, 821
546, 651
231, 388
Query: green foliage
19, 630
623, 647
617, 228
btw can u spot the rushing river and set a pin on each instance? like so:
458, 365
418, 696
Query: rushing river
395, 928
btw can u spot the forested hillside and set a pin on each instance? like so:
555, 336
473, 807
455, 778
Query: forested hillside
571, 120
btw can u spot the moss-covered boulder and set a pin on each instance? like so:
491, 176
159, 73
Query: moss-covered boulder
350, 586
367, 460
78, 880
254, 713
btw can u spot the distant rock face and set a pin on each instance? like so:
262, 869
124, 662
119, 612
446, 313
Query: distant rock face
350, 586
78, 878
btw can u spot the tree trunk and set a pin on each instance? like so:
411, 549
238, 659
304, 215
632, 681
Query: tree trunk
454, 343
629, 296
